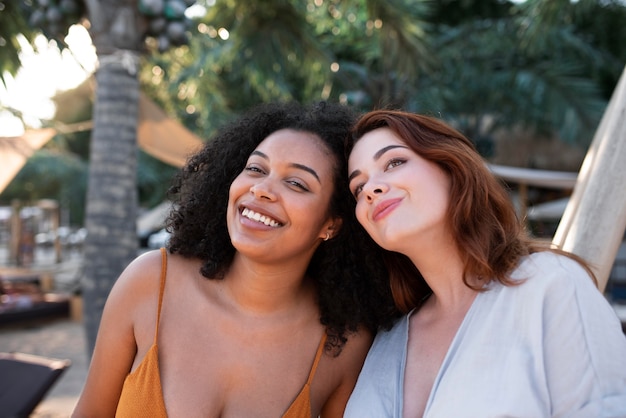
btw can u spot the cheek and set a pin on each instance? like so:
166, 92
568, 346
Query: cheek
231, 196
237, 187
232, 199
235, 192
361, 213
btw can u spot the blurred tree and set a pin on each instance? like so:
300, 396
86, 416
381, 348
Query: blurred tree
12, 24
118, 29
394, 51
602, 24
248, 52
153, 180
490, 78
457, 12
111, 205
496, 64
482, 65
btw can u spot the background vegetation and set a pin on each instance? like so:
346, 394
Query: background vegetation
548, 66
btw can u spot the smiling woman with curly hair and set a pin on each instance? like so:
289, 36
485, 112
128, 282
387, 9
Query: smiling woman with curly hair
267, 298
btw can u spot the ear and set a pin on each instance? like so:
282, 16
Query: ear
331, 228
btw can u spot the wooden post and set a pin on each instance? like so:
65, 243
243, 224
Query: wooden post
594, 221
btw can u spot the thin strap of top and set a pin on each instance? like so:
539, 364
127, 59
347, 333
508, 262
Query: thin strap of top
318, 355
161, 290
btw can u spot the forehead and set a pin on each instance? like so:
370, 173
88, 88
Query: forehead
372, 142
297, 147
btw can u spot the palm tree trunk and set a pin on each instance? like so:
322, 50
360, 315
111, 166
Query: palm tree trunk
111, 207
112, 192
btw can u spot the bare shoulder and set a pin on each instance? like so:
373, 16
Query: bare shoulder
136, 289
145, 266
126, 330
341, 373
357, 345
346, 365
140, 275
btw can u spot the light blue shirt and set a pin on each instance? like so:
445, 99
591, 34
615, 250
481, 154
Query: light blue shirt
549, 347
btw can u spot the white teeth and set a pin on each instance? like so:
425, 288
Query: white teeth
250, 214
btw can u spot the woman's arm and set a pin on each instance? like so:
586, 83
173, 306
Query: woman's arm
585, 349
129, 315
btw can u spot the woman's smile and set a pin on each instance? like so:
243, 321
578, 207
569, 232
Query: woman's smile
384, 208
259, 218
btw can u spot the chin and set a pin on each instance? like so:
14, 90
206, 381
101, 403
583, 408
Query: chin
382, 243
389, 243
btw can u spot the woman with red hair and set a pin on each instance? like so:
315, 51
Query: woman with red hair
495, 324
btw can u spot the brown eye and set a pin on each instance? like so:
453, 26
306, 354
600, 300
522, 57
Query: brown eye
253, 169
299, 185
394, 163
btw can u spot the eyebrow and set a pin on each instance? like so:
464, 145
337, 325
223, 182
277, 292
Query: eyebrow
294, 165
376, 157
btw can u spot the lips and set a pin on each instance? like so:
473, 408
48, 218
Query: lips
384, 208
259, 217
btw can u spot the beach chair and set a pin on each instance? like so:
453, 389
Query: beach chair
24, 381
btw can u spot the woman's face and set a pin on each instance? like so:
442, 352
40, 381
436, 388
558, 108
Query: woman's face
278, 206
400, 196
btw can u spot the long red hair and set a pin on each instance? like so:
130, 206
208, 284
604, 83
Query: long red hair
482, 218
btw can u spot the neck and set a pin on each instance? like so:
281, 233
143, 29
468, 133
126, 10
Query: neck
441, 265
263, 289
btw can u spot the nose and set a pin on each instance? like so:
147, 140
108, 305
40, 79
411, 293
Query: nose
262, 190
372, 190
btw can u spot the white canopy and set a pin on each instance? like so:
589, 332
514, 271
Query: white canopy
15, 151
157, 134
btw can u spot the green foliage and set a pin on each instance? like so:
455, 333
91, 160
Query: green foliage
467, 61
499, 67
12, 24
457, 12
272, 49
548, 65
153, 179
53, 17
403, 36
166, 22
264, 51
601, 23
542, 83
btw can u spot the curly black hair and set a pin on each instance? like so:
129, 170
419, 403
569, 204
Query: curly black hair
348, 270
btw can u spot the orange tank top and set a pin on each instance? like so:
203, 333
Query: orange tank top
142, 394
